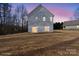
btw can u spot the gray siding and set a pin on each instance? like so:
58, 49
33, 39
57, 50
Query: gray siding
40, 12
71, 24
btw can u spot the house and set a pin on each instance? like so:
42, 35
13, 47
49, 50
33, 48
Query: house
71, 24
40, 20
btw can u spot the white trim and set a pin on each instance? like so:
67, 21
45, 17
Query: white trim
44, 18
51, 19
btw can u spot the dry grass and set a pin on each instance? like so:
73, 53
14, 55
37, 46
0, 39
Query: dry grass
59, 42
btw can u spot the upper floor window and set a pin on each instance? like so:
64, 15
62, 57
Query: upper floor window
36, 17
44, 18
51, 19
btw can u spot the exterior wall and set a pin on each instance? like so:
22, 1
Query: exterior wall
71, 27
40, 25
39, 21
71, 24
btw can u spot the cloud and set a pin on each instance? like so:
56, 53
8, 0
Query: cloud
61, 12
61, 19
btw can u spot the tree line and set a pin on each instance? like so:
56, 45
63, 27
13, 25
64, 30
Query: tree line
13, 21
58, 25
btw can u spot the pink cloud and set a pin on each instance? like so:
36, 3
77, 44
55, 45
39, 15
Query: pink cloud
61, 19
61, 15
61, 12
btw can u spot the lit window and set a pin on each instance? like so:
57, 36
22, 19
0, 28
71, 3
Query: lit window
46, 28
44, 18
35, 29
77, 26
51, 19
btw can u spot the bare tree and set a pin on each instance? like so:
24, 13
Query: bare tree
18, 18
76, 14
24, 17
13, 23
4, 13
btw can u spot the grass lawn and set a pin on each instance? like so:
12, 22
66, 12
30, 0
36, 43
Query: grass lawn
59, 42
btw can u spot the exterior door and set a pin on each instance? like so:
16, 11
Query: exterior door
34, 29
46, 28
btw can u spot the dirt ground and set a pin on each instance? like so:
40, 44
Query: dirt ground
58, 43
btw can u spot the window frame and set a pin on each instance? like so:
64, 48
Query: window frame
44, 18
36, 17
51, 19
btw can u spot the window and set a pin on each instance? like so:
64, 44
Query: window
51, 19
34, 29
78, 26
36, 17
44, 18
46, 28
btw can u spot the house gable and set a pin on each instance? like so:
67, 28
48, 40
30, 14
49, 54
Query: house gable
40, 20
41, 11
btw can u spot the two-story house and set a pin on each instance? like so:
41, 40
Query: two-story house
40, 20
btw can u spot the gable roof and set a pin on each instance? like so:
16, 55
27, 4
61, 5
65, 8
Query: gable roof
38, 8
71, 23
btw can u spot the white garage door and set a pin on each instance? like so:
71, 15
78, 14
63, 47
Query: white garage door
46, 28
34, 29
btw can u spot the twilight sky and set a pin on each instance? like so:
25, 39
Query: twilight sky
62, 11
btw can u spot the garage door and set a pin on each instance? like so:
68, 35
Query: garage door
34, 29
46, 28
